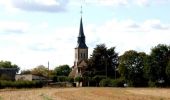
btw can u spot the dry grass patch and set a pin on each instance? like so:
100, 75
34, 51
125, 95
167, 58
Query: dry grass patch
86, 94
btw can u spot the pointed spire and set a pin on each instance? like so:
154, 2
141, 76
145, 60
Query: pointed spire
81, 43
81, 31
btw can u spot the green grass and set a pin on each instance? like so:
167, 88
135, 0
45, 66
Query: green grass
45, 97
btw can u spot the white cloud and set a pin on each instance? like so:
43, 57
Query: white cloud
36, 5
142, 36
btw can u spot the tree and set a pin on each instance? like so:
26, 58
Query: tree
8, 64
168, 70
25, 72
131, 67
62, 70
157, 62
103, 61
40, 70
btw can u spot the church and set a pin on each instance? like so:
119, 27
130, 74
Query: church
81, 54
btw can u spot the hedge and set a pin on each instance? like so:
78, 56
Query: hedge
112, 82
21, 84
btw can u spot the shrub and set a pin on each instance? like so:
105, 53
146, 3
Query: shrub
98, 78
62, 79
21, 84
105, 82
78, 79
112, 83
118, 82
71, 80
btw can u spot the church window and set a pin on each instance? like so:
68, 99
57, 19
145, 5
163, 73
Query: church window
81, 55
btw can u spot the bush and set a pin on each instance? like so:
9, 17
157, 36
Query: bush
112, 83
98, 78
105, 82
21, 84
71, 80
78, 79
62, 79
118, 82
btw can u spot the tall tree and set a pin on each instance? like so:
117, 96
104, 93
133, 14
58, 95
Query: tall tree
62, 70
103, 61
131, 67
40, 70
157, 62
168, 70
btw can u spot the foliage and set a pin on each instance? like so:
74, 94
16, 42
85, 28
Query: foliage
105, 82
5, 77
40, 70
78, 79
62, 78
98, 78
118, 82
157, 62
112, 82
8, 64
25, 72
103, 61
132, 67
21, 84
62, 70
168, 70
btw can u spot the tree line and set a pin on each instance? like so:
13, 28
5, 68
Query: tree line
131, 68
107, 68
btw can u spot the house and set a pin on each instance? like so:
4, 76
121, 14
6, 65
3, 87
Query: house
30, 77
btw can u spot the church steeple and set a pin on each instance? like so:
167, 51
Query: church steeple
81, 43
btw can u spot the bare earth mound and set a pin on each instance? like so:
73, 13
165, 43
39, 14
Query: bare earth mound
86, 94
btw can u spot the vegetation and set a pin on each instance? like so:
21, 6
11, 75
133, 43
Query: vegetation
135, 68
8, 64
20, 84
103, 61
62, 70
106, 68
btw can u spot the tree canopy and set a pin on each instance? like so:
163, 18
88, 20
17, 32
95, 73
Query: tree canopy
132, 67
62, 70
8, 64
103, 61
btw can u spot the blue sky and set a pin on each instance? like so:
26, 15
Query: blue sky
33, 32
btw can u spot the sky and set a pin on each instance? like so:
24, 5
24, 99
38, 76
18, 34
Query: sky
33, 32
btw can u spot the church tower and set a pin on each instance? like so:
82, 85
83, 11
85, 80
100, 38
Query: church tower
81, 50
81, 54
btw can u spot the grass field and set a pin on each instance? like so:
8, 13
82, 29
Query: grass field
86, 94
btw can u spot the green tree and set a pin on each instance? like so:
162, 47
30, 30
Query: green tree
25, 72
40, 70
8, 64
103, 61
157, 62
168, 70
131, 67
62, 70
